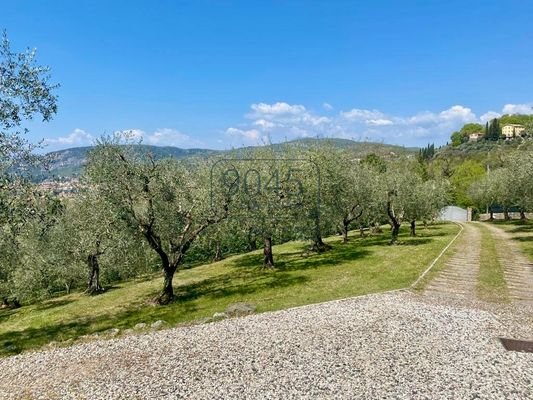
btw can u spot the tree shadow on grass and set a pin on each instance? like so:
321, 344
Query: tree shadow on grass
517, 225
414, 241
302, 260
14, 342
7, 312
46, 305
523, 238
53, 303
239, 283
522, 229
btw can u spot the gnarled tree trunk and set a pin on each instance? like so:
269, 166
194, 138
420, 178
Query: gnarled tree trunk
395, 232
68, 286
344, 230
318, 244
167, 294
413, 228
218, 252
523, 215
268, 257
393, 220
93, 285
376, 228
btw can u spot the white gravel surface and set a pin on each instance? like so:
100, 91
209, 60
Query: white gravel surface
388, 346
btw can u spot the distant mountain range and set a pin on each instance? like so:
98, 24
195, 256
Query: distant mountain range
68, 163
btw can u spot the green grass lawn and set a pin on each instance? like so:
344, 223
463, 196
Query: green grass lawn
364, 265
522, 233
491, 285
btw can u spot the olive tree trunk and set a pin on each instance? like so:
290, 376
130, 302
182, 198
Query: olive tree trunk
412, 228
268, 257
93, 285
218, 252
167, 293
394, 222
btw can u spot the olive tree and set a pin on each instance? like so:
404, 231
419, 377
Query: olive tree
26, 273
347, 188
25, 93
400, 195
271, 197
424, 201
518, 180
483, 193
166, 201
91, 229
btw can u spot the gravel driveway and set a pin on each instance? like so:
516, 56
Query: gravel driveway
395, 345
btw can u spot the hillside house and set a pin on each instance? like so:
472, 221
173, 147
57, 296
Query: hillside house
512, 130
475, 136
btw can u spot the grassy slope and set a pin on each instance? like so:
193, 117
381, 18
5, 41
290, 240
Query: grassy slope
365, 265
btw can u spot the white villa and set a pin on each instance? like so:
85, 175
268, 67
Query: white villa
512, 130
475, 136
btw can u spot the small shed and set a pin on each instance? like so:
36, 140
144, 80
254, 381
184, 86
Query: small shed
454, 213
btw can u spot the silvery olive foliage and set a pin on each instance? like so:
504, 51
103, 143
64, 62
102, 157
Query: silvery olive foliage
25, 93
507, 187
165, 201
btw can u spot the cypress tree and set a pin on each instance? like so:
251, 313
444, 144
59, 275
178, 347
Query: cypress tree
494, 131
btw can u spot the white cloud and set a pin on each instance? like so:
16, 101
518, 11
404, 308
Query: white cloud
489, 115
161, 137
168, 136
263, 123
460, 113
360, 114
280, 108
379, 122
282, 121
315, 120
78, 137
518, 109
327, 106
239, 137
422, 118
250, 134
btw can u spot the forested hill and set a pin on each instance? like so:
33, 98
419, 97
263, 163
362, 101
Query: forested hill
68, 163
358, 149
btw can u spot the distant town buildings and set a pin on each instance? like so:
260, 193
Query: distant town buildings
512, 130
61, 189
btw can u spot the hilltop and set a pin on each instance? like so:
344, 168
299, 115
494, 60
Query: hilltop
68, 163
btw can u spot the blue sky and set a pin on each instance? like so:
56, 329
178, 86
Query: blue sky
219, 74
